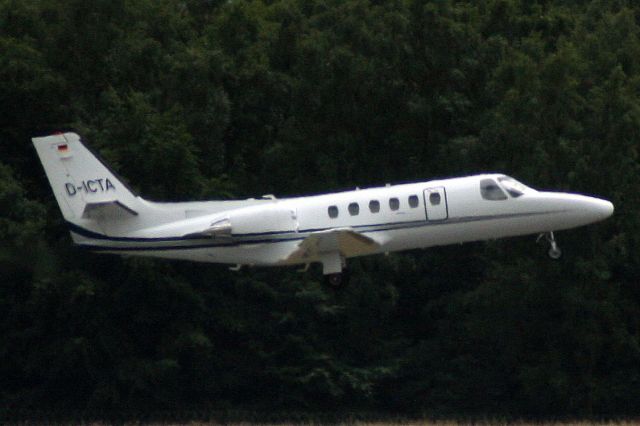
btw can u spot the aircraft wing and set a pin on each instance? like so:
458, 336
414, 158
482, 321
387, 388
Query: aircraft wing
345, 241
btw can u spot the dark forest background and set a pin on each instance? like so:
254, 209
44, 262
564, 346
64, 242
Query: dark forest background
206, 99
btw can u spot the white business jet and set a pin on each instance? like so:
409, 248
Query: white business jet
105, 215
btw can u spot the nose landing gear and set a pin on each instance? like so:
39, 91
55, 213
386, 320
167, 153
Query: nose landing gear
554, 251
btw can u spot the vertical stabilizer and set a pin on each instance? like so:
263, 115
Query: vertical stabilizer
86, 190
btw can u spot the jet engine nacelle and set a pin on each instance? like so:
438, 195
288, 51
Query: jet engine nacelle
264, 220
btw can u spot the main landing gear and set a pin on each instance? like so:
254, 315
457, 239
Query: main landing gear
554, 251
333, 269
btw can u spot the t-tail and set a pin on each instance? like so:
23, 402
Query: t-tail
91, 197
103, 213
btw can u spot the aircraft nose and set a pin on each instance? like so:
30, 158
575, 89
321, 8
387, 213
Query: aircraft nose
598, 208
577, 210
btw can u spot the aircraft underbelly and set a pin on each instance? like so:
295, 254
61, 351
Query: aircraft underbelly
467, 229
246, 254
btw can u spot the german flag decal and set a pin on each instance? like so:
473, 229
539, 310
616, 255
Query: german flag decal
63, 150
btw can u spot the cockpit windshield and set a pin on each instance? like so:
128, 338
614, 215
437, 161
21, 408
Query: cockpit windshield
490, 190
513, 187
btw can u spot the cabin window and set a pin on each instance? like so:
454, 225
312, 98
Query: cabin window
354, 209
491, 191
394, 203
374, 206
413, 201
333, 212
435, 198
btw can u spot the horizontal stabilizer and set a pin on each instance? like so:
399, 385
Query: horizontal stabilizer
112, 209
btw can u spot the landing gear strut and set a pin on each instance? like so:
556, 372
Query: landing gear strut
554, 251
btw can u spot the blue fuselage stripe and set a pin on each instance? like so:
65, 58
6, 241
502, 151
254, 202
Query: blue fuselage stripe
276, 236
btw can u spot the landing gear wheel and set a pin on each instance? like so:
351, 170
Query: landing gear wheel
555, 253
334, 280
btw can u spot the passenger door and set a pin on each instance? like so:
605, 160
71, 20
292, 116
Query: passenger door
435, 201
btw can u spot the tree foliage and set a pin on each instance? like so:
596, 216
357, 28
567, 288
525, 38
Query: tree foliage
199, 98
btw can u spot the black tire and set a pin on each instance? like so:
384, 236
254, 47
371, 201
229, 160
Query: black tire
334, 280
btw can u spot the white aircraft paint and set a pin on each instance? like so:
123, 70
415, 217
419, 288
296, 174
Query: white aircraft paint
104, 215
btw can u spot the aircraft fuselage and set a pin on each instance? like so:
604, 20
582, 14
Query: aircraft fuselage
105, 215
398, 217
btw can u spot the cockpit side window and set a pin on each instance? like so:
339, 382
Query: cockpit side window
490, 190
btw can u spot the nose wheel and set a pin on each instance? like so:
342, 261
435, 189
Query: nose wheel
554, 251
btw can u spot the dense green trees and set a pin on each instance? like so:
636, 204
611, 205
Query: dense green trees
213, 99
